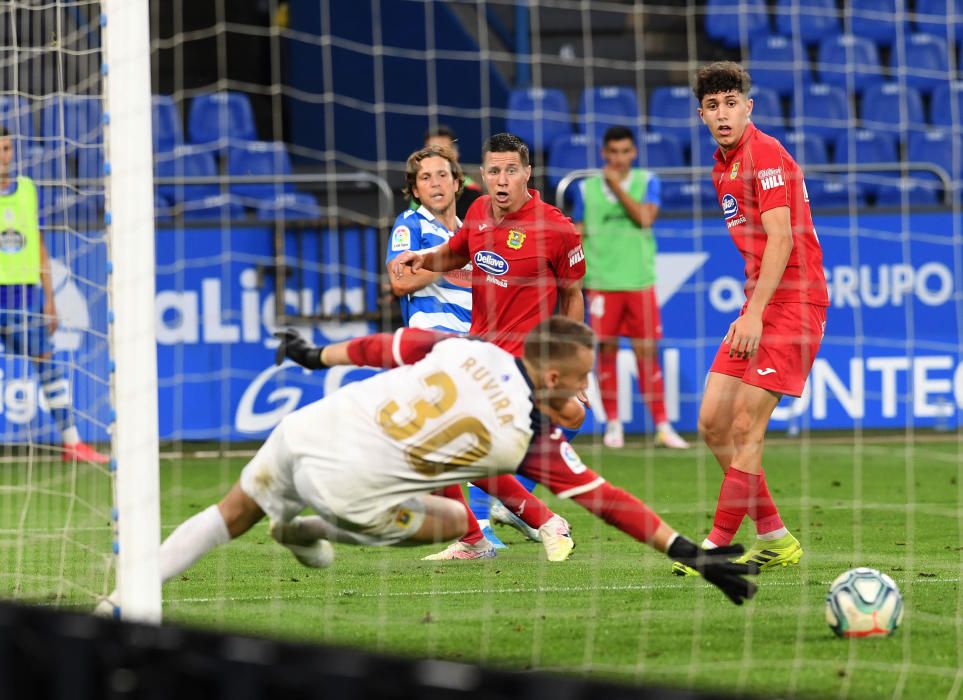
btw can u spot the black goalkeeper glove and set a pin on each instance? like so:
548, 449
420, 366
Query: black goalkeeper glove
716, 567
298, 349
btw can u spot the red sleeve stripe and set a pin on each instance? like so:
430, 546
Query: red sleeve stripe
579, 490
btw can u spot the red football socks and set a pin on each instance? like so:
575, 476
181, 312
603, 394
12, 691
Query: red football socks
743, 494
474, 533
653, 388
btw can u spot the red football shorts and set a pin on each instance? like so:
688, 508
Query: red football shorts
791, 334
632, 314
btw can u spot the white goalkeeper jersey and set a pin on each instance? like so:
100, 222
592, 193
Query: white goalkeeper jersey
462, 412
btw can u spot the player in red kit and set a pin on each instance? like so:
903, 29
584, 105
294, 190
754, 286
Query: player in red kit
769, 349
526, 259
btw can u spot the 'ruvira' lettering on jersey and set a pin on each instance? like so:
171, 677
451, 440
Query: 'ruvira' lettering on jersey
491, 386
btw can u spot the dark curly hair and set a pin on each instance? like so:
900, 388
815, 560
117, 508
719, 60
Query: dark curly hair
507, 143
721, 76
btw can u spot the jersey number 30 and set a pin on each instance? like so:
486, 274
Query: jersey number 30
423, 411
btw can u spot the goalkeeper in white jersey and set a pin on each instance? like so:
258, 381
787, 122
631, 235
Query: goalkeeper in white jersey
366, 458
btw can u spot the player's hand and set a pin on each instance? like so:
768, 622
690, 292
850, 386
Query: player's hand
717, 567
744, 335
612, 177
408, 258
583, 397
295, 347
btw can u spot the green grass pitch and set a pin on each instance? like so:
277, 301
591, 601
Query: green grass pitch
613, 610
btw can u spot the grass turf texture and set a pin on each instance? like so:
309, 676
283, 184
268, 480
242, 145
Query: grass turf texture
613, 610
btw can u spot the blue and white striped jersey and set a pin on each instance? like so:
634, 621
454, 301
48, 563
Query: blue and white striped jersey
444, 305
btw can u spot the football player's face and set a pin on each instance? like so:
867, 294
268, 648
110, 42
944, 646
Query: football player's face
435, 186
619, 154
727, 115
6, 154
506, 180
568, 378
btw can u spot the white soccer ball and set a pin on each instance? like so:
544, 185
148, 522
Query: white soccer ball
863, 603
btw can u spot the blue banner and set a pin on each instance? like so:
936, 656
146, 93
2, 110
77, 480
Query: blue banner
891, 357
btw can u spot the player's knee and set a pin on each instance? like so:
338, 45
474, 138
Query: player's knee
713, 428
645, 348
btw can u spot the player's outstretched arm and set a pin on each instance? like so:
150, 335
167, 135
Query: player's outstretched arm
386, 350
438, 259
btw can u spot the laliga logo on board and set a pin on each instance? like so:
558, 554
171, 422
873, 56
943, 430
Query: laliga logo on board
490, 262
730, 207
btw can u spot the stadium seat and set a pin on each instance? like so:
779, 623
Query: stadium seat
808, 21
45, 166
939, 146
166, 124
292, 205
76, 118
602, 107
917, 192
851, 62
186, 161
90, 165
16, 116
568, 153
942, 18
779, 63
734, 22
220, 117
689, 195
861, 147
833, 191
703, 149
806, 148
265, 158
218, 206
767, 110
672, 110
876, 20
658, 150
946, 104
538, 116
923, 60
822, 109
892, 107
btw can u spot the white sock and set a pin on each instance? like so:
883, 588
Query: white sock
774, 535
708, 544
70, 436
664, 425
192, 539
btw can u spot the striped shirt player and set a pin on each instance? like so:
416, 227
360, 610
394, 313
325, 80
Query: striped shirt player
441, 305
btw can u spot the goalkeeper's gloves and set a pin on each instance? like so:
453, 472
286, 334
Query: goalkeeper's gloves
716, 567
298, 349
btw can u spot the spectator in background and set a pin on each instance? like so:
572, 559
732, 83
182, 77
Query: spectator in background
28, 314
615, 212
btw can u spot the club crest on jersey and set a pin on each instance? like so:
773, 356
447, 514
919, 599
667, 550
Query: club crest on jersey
401, 238
730, 207
403, 518
516, 239
735, 170
492, 263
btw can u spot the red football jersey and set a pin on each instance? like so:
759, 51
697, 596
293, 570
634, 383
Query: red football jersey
754, 177
518, 264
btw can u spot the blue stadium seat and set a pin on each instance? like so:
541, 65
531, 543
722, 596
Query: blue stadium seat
218, 206
892, 107
823, 110
703, 149
833, 191
934, 17
90, 166
16, 116
221, 117
45, 166
733, 22
538, 116
689, 195
806, 148
672, 110
808, 21
166, 124
658, 150
923, 59
779, 63
767, 110
862, 146
851, 62
186, 161
602, 107
568, 153
939, 146
291, 205
946, 104
259, 158
77, 118
917, 192
876, 20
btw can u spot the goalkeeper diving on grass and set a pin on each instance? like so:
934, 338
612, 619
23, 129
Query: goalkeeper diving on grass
367, 458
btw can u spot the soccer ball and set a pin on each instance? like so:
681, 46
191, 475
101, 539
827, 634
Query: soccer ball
863, 603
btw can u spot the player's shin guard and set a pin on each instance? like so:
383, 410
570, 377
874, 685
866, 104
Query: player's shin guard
653, 388
56, 389
474, 533
732, 506
509, 490
608, 382
763, 509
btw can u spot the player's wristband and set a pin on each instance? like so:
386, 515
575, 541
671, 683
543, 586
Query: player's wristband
682, 548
